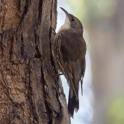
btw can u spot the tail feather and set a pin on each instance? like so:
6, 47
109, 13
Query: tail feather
73, 103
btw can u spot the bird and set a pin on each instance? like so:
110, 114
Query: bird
69, 50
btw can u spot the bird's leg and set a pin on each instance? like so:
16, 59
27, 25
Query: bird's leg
60, 74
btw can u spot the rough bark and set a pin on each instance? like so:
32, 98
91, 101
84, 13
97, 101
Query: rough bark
31, 92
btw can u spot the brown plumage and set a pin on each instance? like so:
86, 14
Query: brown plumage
69, 51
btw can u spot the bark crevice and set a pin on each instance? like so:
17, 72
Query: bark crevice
29, 88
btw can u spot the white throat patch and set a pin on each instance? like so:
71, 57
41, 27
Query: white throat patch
66, 24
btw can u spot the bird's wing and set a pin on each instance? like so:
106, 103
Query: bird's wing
56, 51
73, 48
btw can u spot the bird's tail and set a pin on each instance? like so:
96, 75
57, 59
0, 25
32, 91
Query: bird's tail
73, 102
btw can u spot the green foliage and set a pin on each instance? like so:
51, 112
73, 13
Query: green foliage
92, 10
78, 7
116, 111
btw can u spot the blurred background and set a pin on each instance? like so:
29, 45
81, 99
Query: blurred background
103, 98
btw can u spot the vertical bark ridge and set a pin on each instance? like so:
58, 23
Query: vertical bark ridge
28, 79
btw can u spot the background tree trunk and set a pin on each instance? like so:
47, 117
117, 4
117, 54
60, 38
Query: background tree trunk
29, 88
107, 56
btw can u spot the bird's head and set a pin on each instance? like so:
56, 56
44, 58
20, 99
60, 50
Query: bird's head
72, 22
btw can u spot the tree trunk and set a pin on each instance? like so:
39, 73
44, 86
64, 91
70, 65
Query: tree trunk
31, 92
107, 54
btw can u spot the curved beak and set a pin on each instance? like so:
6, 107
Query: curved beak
64, 11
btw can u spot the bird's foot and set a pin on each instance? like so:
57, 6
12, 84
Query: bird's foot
53, 30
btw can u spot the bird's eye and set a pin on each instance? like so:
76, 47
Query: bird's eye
72, 19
